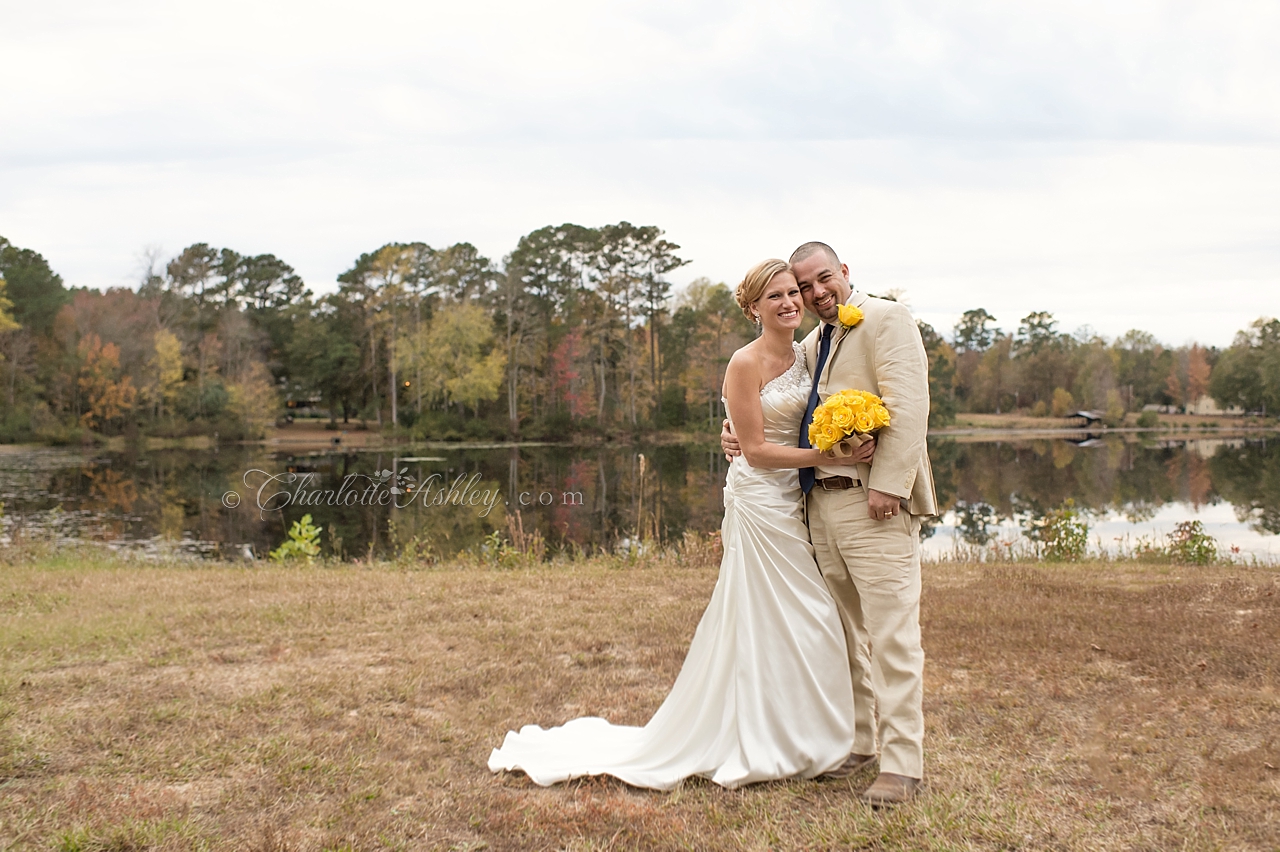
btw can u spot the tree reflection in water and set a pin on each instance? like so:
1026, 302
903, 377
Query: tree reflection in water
982, 485
1249, 477
976, 522
985, 484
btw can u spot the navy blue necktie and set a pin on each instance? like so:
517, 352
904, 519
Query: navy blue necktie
807, 474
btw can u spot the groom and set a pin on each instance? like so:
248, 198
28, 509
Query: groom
866, 534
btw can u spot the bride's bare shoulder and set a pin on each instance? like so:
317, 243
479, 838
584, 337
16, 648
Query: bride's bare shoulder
745, 358
744, 366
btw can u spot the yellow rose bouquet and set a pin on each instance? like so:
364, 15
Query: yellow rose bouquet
841, 421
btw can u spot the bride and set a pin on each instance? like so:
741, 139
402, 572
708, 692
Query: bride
765, 691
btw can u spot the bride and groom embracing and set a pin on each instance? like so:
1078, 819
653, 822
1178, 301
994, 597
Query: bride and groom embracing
809, 649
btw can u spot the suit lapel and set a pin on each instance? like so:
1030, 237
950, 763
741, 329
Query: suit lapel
837, 337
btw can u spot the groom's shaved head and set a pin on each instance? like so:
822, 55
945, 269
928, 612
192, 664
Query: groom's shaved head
823, 279
809, 249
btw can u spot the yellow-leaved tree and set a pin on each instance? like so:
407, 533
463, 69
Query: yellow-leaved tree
253, 400
166, 372
460, 363
7, 322
1063, 402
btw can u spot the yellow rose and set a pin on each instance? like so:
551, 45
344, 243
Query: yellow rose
815, 436
864, 422
850, 316
830, 436
842, 418
881, 415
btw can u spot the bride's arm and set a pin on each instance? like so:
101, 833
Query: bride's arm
742, 383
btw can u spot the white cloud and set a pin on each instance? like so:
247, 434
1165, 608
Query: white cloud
1112, 163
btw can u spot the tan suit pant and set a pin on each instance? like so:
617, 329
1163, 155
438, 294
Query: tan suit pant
873, 571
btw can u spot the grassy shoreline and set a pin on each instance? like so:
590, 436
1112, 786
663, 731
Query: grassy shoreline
311, 435
183, 705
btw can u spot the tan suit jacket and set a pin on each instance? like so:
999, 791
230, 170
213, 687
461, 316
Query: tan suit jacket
884, 354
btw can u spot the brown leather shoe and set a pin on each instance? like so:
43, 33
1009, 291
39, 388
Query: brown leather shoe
889, 790
851, 764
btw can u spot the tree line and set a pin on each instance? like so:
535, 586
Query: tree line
1038, 369
576, 331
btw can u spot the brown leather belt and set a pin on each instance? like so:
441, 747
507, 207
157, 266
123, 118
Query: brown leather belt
838, 483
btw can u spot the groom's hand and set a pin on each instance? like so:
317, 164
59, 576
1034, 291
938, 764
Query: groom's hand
728, 442
881, 506
866, 451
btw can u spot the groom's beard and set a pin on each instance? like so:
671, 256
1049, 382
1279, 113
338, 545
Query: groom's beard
833, 312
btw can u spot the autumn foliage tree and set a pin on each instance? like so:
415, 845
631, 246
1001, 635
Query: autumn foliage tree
7, 322
457, 356
708, 326
107, 395
164, 374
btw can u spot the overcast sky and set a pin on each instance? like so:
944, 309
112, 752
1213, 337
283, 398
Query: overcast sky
1117, 164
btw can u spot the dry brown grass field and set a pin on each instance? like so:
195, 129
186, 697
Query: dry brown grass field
259, 707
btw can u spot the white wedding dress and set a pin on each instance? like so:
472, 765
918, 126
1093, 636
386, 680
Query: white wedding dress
765, 691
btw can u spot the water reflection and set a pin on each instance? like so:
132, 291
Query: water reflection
1250, 481
578, 498
596, 498
1129, 486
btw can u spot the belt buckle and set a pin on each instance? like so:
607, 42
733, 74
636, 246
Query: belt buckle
838, 483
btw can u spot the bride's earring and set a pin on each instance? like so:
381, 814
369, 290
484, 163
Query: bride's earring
755, 317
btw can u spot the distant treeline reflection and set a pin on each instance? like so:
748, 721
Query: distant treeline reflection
986, 483
621, 495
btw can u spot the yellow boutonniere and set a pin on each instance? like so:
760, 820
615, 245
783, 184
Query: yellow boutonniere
850, 315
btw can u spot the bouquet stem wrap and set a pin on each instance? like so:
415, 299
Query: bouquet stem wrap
845, 448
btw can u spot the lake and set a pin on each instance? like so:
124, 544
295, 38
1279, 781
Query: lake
239, 501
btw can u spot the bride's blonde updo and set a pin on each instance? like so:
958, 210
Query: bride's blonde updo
758, 278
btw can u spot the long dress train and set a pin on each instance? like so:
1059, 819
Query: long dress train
765, 691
